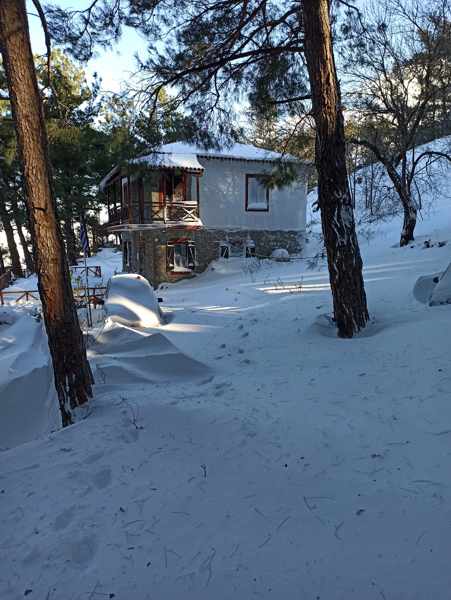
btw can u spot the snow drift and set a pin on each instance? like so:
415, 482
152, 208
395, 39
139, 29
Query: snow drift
130, 300
441, 294
124, 356
28, 401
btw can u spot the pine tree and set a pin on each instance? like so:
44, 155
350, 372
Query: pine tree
72, 373
334, 198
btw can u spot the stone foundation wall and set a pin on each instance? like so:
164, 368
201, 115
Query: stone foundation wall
148, 254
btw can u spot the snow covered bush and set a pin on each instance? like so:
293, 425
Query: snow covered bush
280, 254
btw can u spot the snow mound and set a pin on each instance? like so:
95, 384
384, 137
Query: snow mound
280, 254
434, 289
441, 294
28, 401
424, 287
130, 300
125, 356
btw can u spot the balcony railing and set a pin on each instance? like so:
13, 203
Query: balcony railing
180, 212
116, 216
169, 212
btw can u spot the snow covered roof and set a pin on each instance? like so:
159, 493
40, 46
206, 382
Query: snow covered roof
109, 176
181, 155
236, 152
171, 160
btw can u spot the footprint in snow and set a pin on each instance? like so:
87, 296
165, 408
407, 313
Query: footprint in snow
81, 551
102, 478
64, 519
94, 457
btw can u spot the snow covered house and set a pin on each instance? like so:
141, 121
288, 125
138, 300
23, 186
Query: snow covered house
182, 206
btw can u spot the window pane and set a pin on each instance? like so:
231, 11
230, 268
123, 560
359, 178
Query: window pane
180, 255
257, 194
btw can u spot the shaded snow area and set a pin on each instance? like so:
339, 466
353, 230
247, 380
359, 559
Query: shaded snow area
28, 401
241, 450
441, 293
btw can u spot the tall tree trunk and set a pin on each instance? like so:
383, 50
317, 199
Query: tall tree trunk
73, 378
71, 242
14, 257
334, 198
23, 242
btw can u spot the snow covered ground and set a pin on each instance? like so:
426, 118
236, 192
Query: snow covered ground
281, 462
108, 259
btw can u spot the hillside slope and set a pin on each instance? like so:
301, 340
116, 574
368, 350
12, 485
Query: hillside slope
378, 211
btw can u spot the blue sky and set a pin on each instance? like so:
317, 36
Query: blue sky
113, 66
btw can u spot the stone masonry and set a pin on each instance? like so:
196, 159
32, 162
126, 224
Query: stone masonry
147, 248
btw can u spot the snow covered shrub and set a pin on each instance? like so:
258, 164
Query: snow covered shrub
280, 254
251, 266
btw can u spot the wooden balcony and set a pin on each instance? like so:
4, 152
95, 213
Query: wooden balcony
116, 216
168, 212
176, 212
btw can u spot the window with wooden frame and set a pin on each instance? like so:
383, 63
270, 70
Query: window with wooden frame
180, 255
257, 194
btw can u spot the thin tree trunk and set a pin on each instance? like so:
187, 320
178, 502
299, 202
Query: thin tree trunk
73, 378
14, 257
2, 262
71, 242
95, 237
410, 220
334, 198
400, 183
23, 242
26, 252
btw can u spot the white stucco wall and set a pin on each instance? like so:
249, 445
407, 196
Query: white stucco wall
223, 193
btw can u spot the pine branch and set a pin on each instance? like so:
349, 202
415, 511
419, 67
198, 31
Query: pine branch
48, 41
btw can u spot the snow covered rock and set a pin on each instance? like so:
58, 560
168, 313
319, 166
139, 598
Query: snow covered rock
280, 254
441, 294
28, 400
130, 300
